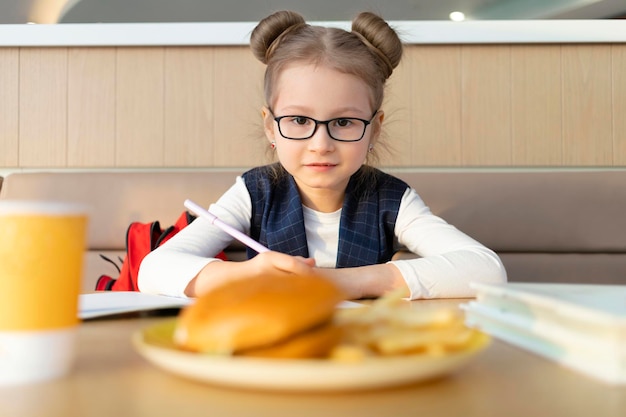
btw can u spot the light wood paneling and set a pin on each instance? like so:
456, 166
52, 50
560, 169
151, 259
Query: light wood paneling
436, 106
43, 107
395, 143
587, 112
619, 104
139, 107
536, 105
238, 97
189, 107
486, 105
9, 97
446, 105
91, 107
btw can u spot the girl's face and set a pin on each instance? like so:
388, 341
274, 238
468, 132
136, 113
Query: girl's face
321, 165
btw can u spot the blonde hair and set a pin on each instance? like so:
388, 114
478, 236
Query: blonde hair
370, 51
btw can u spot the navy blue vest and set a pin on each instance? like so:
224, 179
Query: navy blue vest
366, 227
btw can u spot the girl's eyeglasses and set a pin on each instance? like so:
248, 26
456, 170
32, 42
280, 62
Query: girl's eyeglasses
342, 129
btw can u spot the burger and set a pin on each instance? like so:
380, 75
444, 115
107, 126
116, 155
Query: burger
281, 315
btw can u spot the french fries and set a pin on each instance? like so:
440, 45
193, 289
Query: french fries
390, 327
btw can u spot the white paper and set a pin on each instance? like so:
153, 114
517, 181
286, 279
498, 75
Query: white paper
582, 326
116, 302
604, 363
601, 304
350, 304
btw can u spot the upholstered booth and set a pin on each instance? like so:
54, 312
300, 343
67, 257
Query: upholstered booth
547, 225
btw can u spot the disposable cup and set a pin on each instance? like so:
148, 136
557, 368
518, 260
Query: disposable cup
42, 245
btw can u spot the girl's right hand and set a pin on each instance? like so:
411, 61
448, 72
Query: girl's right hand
217, 272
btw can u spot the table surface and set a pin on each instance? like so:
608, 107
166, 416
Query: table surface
111, 379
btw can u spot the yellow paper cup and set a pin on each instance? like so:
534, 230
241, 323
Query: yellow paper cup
42, 245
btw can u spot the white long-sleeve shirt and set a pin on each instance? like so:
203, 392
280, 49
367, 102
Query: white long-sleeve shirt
448, 259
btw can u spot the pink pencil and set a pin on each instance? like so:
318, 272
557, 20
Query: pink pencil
245, 239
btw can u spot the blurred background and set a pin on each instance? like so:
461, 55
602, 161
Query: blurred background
124, 11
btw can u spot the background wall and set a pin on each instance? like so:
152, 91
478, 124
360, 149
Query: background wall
447, 106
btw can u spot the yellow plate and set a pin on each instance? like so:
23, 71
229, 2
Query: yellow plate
155, 344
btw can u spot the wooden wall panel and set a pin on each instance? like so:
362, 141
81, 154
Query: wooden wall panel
587, 105
238, 97
436, 106
9, 99
619, 104
139, 107
43, 107
486, 105
91, 107
189, 107
395, 142
446, 105
536, 127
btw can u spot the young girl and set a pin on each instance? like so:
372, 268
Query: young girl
322, 207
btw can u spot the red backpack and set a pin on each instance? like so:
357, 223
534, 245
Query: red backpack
141, 239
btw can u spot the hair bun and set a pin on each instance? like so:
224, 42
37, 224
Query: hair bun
267, 33
380, 38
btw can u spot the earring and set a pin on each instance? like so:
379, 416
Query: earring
371, 148
273, 145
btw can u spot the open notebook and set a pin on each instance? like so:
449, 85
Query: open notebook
108, 303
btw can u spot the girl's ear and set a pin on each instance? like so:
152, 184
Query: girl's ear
377, 125
268, 123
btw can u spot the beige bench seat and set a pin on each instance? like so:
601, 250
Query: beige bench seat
547, 225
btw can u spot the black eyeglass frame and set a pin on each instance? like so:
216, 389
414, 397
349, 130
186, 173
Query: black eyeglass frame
324, 122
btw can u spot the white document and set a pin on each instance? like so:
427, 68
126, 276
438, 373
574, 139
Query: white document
116, 302
107, 303
582, 326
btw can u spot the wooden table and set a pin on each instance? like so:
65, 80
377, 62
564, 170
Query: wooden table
110, 379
